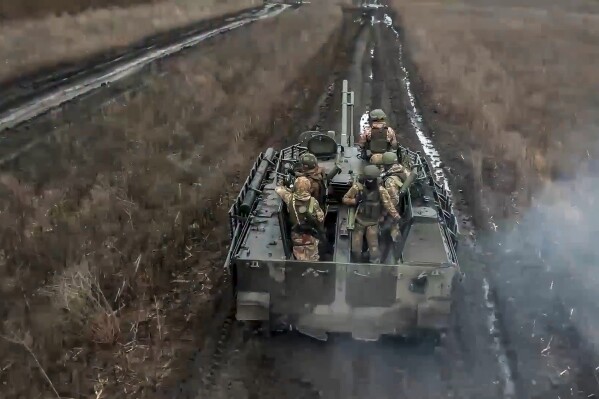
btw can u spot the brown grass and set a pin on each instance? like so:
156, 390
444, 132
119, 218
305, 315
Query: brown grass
29, 44
139, 190
516, 83
10, 10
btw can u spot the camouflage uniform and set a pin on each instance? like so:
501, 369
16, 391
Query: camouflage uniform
395, 176
316, 175
377, 137
317, 178
373, 210
302, 206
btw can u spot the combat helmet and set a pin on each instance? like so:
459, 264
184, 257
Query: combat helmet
377, 115
371, 172
389, 158
309, 160
377, 159
301, 187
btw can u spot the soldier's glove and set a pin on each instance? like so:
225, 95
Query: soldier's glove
359, 198
289, 180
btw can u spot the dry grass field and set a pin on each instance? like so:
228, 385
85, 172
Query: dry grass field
515, 83
11, 10
28, 44
114, 230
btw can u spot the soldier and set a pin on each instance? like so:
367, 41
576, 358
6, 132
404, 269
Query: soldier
306, 218
377, 159
394, 178
373, 204
377, 137
395, 175
309, 168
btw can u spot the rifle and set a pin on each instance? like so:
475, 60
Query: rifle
317, 229
315, 225
406, 186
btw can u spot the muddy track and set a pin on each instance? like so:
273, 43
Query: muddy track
479, 359
294, 366
542, 348
488, 354
22, 87
24, 101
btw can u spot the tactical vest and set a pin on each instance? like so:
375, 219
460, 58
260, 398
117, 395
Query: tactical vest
298, 214
371, 209
378, 141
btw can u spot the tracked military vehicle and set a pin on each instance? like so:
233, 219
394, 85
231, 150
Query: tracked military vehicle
338, 294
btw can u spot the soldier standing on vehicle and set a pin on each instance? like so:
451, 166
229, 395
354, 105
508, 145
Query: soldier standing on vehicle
306, 218
395, 175
373, 204
394, 178
377, 137
318, 178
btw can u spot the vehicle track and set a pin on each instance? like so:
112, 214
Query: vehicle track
19, 105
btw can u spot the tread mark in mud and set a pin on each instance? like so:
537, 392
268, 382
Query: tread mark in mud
210, 379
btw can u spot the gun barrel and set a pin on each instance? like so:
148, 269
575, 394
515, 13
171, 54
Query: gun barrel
256, 183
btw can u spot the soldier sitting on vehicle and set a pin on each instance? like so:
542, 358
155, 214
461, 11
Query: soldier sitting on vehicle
373, 204
306, 218
309, 168
377, 137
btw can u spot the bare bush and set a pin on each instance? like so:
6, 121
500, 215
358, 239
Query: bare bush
76, 293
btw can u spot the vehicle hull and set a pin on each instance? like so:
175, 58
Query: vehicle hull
364, 300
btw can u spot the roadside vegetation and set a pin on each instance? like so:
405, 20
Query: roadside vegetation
516, 81
37, 34
114, 229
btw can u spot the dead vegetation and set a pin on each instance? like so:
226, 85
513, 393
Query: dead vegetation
514, 81
11, 10
27, 45
114, 230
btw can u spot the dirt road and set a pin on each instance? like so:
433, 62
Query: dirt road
489, 354
492, 351
476, 361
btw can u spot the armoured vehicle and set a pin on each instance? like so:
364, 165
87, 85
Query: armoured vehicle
338, 294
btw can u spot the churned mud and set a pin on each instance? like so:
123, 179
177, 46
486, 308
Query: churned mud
121, 202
